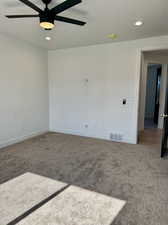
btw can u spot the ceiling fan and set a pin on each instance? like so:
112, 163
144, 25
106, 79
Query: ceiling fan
48, 16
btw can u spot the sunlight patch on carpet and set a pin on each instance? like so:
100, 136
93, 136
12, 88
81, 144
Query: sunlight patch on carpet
76, 206
24, 192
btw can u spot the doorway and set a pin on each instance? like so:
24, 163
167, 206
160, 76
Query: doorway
153, 85
152, 102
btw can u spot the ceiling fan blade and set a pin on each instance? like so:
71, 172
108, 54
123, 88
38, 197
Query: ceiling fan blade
21, 16
16, 4
69, 20
31, 5
65, 5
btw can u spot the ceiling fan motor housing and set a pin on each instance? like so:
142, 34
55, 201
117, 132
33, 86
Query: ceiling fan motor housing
46, 2
47, 16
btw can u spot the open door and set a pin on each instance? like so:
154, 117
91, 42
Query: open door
164, 146
157, 96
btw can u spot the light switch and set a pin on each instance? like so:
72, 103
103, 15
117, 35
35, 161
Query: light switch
124, 101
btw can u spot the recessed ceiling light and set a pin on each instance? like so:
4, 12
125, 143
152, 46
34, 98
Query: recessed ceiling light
138, 23
48, 38
112, 36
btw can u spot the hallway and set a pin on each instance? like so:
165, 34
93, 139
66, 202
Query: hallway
152, 136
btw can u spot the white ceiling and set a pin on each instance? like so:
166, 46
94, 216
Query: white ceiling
102, 16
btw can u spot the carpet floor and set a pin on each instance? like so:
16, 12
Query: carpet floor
134, 173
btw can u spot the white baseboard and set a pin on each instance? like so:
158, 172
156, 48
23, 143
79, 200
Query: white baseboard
22, 138
37, 133
129, 141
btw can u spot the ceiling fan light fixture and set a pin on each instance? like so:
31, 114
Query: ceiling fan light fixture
47, 25
47, 22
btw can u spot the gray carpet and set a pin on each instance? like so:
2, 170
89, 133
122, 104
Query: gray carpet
134, 173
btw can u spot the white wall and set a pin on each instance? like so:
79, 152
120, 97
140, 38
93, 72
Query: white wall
23, 91
113, 73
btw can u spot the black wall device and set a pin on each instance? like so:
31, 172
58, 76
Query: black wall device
124, 101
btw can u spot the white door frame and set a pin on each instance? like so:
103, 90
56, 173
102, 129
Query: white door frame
138, 81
